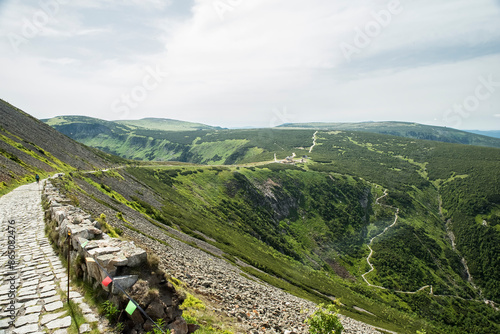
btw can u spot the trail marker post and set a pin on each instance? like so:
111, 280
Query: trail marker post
69, 245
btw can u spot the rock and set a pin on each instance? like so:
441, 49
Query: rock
96, 224
179, 326
77, 219
156, 310
63, 230
94, 230
59, 323
148, 326
59, 216
125, 282
91, 245
192, 328
85, 328
136, 317
134, 254
93, 269
81, 231
103, 251
119, 260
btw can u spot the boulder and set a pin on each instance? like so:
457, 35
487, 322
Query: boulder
93, 269
156, 310
106, 262
124, 282
119, 260
78, 231
134, 254
148, 326
179, 326
136, 317
91, 245
59, 216
193, 328
77, 219
103, 251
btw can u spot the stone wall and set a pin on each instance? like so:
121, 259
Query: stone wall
124, 261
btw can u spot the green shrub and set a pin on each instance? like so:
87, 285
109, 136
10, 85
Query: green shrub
110, 311
325, 320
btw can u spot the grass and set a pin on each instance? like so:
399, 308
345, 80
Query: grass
198, 310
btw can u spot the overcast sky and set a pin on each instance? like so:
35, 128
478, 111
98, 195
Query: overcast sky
236, 63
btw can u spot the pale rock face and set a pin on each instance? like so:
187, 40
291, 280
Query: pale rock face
92, 268
124, 282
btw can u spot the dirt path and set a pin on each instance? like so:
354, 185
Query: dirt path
371, 241
314, 141
377, 201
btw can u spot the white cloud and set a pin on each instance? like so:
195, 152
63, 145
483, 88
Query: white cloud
263, 55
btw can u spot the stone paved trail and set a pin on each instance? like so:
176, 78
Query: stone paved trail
37, 274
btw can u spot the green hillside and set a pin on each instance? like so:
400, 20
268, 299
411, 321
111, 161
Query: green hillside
404, 129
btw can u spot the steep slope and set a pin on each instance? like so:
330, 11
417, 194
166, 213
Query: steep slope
144, 139
404, 129
28, 146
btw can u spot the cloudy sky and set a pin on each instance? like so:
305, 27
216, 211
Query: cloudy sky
237, 63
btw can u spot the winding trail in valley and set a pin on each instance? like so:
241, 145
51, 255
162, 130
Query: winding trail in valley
396, 216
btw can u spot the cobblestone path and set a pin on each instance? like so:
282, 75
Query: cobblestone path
31, 274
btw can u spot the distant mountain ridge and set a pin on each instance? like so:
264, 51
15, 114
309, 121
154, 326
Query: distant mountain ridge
150, 123
406, 129
155, 139
166, 124
491, 133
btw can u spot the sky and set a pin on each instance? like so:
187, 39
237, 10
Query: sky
255, 63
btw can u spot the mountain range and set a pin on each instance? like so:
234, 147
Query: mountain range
166, 140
